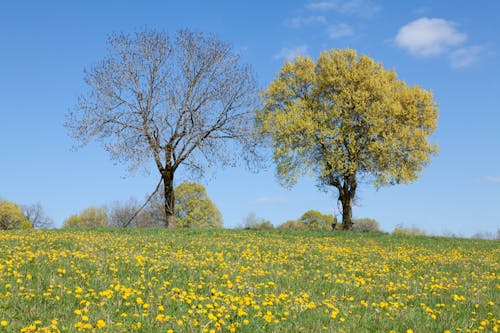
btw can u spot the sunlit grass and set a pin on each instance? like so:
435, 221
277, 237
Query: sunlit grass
245, 281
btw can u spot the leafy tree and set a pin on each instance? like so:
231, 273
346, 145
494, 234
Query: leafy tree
365, 225
347, 119
92, 217
314, 220
35, 214
194, 207
12, 217
186, 102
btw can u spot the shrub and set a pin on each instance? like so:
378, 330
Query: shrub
92, 217
366, 225
252, 221
194, 209
400, 230
314, 220
293, 225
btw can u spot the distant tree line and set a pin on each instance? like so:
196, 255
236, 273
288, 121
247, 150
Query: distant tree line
194, 210
311, 220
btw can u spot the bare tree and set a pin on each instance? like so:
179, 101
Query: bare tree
184, 102
123, 214
36, 215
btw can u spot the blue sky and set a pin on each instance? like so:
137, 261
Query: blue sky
449, 47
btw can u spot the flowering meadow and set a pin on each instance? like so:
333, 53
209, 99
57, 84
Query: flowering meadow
195, 280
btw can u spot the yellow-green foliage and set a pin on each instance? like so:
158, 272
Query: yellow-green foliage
12, 217
314, 220
192, 280
92, 217
293, 225
408, 231
194, 209
346, 114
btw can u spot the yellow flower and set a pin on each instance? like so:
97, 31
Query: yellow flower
100, 323
4, 323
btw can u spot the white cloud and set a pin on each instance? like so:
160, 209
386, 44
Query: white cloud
466, 56
269, 200
429, 36
347, 7
493, 179
300, 21
290, 53
340, 30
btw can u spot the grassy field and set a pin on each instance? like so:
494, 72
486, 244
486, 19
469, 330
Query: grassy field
246, 281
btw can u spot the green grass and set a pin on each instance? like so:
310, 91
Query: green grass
150, 280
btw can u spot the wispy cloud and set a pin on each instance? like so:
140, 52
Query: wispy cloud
290, 53
300, 21
365, 8
429, 36
466, 56
340, 30
270, 200
493, 179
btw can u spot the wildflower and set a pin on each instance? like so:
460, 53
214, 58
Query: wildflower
100, 323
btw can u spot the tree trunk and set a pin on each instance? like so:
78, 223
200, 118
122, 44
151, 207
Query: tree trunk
169, 197
346, 196
346, 212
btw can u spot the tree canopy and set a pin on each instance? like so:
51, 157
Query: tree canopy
346, 119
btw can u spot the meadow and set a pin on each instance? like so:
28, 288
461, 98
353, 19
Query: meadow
195, 280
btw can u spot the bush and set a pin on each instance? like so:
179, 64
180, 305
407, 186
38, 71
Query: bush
314, 220
252, 221
400, 230
194, 209
486, 235
293, 225
366, 225
12, 217
92, 217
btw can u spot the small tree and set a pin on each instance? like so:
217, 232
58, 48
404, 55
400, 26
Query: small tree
194, 207
12, 217
183, 102
37, 217
347, 119
92, 217
314, 220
